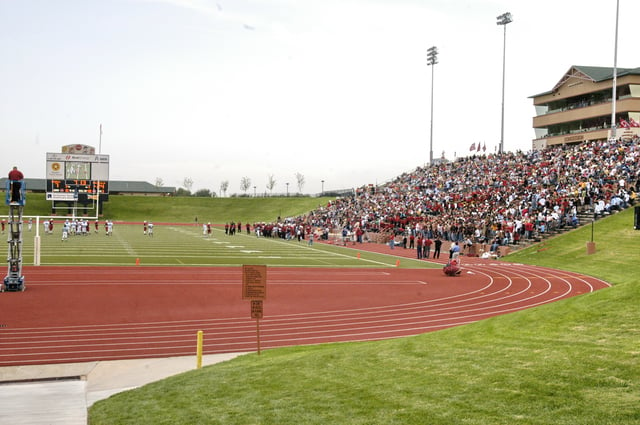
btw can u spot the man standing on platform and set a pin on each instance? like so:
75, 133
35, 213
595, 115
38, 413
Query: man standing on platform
16, 177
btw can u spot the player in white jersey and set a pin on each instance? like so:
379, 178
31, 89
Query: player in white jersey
65, 231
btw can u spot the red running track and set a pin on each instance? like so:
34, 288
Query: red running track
76, 314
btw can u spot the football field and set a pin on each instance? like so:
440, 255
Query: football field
185, 245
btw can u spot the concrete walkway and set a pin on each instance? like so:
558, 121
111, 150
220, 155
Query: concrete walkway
61, 394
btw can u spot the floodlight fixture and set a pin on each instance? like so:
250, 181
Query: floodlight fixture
432, 55
504, 19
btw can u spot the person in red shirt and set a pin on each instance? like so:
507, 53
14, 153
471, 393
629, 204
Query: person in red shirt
16, 177
426, 247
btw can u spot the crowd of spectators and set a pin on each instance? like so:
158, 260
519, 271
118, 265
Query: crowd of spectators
496, 199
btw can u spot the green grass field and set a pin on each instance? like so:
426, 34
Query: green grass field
185, 245
570, 362
182, 243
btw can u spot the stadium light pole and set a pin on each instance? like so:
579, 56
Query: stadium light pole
503, 20
615, 79
432, 59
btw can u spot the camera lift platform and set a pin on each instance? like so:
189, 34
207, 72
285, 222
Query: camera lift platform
14, 281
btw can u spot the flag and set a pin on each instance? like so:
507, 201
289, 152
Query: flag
473, 146
633, 123
484, 148
624, 124
101, 129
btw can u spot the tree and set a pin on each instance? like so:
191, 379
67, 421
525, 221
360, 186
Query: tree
300, 180
224, 185
245, 184
159, 182
204, 193
271, 183
188, 183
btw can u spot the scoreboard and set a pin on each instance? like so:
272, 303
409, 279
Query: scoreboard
77, 177
77, 186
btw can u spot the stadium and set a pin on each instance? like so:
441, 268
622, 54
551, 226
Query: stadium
496, 287
337, 302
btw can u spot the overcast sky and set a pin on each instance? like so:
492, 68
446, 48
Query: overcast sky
336, 90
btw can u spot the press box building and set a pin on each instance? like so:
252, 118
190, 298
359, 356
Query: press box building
578, 108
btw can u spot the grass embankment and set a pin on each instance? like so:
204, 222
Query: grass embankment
214, 210
570, 362
186, 209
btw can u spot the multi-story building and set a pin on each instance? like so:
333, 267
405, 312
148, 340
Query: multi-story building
579, 108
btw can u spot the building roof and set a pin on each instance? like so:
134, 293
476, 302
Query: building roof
31, 184
138, 187
594, 74
40, 185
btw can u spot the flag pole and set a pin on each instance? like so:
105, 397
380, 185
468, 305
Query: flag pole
98, 186
615, 78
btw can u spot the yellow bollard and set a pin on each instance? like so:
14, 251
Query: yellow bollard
397, 263
137, 261
199, 350
358, 256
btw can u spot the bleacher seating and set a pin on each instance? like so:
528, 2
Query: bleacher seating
509, 199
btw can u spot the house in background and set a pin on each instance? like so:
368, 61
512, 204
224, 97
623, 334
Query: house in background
579, 107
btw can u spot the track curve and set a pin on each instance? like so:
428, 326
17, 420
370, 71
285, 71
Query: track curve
76, 314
